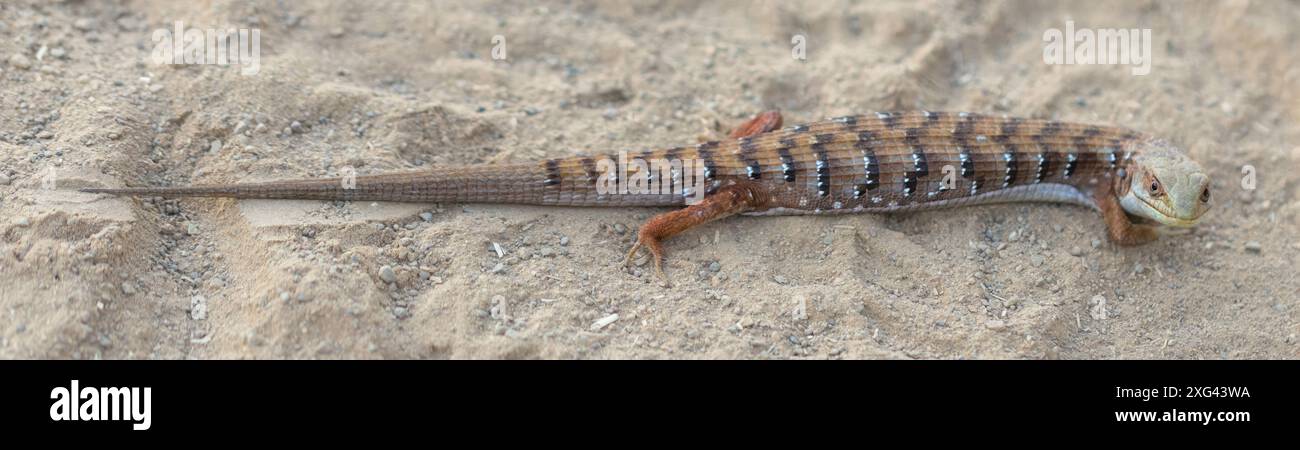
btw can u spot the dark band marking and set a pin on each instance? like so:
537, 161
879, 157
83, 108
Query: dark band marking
1071, 161
1044, 167
705, 151
920, 166
823, 174
1092, 131
967, 163
801, 128
552, 172
909, 183
823, 163
890, 121
847, 121
1051, 128
589, 166
787, 163
752, 167
1010, 126
871, 168
912, 136
865, 139
1009, 156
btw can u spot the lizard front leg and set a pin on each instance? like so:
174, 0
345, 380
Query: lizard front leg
1119, 227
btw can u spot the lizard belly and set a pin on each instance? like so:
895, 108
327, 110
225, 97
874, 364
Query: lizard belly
1042, 192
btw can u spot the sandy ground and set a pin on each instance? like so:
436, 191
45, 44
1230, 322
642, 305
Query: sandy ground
397, 85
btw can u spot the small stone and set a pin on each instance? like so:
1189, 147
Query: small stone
214, 146
1139, 269
1097, 307
780, 279
198, 307
1254, 247
284, 296
5, 180
128, 288
715, 267
84, 24
336, 32
1096, 243
22, 222
620, 228
1036, 260
296, 127
386, 273
603, 322
995, 325
610, 113
191, 228
564, 241
1076, 251
20, 61
400, 312
426, 216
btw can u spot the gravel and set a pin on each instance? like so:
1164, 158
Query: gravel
198, 307
1254, 247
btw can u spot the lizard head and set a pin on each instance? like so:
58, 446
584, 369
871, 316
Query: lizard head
1164, 185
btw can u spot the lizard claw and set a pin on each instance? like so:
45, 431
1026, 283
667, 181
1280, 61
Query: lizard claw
656, 253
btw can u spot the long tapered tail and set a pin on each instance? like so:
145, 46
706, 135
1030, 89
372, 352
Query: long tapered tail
513, 183
563, 182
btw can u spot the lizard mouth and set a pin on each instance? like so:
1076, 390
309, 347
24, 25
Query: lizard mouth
1165, 216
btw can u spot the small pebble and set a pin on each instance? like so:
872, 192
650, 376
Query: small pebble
128, 288
1254, 247
995, 325
191, 228
400, 312
1097, 307
386, 273
715, 267
780, 279
1076, 251
603, 322
20, 61
22, 222
198, 307
426, 216
5, 180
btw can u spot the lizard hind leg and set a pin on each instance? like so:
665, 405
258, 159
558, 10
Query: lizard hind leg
763, 122
727, 201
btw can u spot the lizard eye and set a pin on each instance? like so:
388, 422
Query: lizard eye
1205, 195
1155, 187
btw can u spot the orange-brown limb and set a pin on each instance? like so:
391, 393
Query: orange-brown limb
762, 123
728, 200
1119, 227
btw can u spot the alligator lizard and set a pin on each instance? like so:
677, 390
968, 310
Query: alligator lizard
881, 162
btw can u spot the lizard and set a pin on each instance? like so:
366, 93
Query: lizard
885, 162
